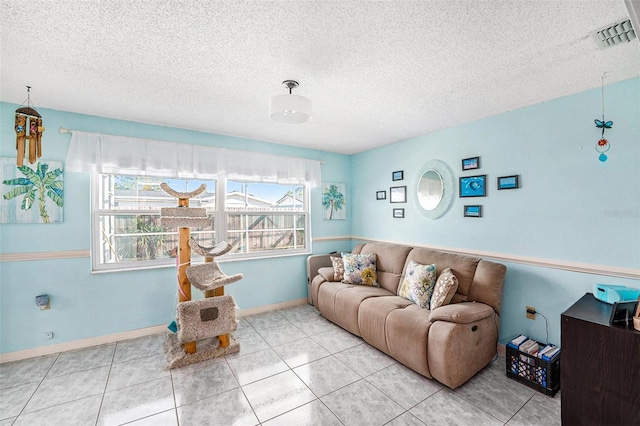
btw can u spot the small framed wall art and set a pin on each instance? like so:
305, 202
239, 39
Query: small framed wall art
398, 213
508, 182
473, 186
398, 194
473, 211
334, 201
399, 175
381, 195
470, 163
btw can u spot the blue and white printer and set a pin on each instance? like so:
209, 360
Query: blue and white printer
615, 293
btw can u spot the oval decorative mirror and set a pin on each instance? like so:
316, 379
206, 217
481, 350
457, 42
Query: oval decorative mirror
434, 189
430, 190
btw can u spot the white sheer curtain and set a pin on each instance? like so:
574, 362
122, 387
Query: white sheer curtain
100, 153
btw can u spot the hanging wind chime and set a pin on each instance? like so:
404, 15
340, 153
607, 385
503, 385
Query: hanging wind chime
32, 132
603, 145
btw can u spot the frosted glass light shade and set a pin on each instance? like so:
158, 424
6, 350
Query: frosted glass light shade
290, 109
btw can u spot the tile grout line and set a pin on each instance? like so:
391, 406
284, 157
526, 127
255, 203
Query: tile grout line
106, 383
36, 389
173, 394
520, 409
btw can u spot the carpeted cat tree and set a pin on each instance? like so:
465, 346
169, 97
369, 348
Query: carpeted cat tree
203, 325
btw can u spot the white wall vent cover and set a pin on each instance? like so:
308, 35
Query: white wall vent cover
616, 33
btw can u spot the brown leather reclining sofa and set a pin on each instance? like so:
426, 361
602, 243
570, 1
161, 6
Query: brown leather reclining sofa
450, 343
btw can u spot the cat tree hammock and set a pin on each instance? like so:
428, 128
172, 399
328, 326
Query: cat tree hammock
203, 325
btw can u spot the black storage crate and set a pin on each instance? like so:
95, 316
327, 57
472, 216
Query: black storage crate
538, 374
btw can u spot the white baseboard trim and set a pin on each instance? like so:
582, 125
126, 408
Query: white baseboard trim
81, 344
502, 350
127, 335
274, 307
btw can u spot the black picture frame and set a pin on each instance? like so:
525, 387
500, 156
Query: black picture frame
471, 163
473, 211
622, 312
381, 195
508, 182
473, 186
398, 213
398, 175
398, 194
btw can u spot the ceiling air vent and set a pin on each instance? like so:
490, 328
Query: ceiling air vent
616, 33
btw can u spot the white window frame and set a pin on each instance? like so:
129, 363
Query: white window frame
220, 229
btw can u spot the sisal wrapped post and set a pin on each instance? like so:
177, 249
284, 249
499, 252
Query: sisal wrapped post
184, 260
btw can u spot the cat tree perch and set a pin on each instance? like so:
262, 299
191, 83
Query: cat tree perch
210, 320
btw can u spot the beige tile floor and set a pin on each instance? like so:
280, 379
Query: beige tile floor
293, 368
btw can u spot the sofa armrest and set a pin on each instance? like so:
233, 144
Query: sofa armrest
315, 262
327, 273
461, 313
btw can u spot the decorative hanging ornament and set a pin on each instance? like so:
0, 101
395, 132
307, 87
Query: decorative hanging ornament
32, 132
603, 145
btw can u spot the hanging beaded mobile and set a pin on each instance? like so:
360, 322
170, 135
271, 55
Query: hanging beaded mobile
603, 145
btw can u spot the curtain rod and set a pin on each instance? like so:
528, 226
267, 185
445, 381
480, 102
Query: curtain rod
63, 130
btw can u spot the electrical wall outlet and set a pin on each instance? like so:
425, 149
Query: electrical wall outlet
531, 312
48, 335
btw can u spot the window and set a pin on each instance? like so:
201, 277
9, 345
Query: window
258, 219
262, 217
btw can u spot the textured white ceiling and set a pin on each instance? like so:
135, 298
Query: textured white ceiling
377, 72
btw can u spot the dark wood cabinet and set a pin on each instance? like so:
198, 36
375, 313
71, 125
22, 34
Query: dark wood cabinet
600, 367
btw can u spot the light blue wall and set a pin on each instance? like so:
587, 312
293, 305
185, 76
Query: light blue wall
570, 207
87, 305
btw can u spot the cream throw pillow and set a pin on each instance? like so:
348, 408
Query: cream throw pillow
338, 268
417, 283
444, 289
360, 269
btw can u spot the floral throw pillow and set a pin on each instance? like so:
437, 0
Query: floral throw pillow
338, 268
360, 269
417, 283
444, 290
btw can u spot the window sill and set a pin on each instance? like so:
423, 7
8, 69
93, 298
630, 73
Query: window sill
225, 259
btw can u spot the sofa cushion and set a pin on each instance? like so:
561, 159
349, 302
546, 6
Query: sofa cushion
347, 303
464, 268
488, 284
444, 289
390, 262
461, 313
360, 269
339, 302
338, 268
327, 273
417, 283
372, 316
407, 335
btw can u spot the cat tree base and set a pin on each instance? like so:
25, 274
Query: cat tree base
207, 349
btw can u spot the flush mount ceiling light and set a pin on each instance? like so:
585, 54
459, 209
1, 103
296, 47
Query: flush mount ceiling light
290, 109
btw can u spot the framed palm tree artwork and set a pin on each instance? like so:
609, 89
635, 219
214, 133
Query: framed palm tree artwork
334, 201
31, 193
